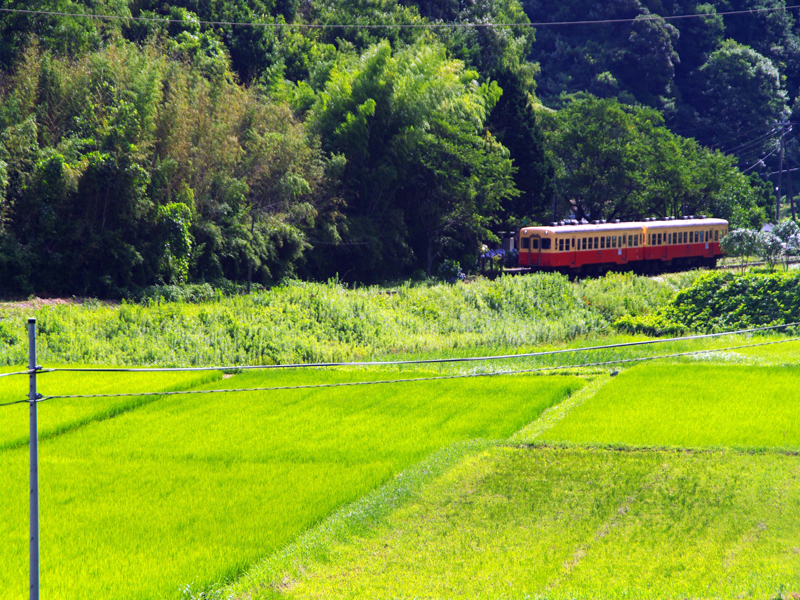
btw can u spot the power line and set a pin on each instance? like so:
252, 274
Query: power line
18, 373
432, 378
409, 362
413, 379
427, 25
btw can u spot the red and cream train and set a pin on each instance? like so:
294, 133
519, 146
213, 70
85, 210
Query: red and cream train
650, 245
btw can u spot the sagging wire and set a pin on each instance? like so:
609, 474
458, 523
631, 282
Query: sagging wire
417, 379
428, 25
414, 362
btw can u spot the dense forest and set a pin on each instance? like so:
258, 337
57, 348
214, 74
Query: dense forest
147, 143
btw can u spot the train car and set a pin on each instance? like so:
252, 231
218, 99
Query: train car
650, 245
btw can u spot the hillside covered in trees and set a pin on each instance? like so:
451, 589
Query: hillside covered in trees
145, 142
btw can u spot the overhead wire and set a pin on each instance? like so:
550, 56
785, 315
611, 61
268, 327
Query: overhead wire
427, 25
415, 379
426, 361
41, 398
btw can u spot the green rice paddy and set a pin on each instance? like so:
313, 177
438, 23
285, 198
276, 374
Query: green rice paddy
670, 480
73, 413
194, 489
690, 406
564, 524
667, 481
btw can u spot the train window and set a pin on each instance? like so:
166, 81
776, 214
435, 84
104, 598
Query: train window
561, 245
613, 241
658, 243
583, 244
526, 243
546, 244
535, 243
630, 241
716, 235
636, 240
608, 241
602, 243
573, 243
595, 244
684, 237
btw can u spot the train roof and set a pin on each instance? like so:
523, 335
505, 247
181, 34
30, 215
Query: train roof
625, 226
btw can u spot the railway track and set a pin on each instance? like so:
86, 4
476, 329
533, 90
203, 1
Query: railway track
523, 270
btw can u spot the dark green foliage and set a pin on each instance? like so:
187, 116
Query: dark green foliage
725, 301
723, 80
61, 34
616, 161
126, 169
514, 123
187, 148
422, 177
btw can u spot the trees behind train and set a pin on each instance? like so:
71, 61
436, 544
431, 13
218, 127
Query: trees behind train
620, 162
423, 174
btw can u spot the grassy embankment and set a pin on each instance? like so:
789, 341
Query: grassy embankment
304, 322
597, 507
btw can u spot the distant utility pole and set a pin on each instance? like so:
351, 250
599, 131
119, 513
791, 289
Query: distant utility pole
780, 170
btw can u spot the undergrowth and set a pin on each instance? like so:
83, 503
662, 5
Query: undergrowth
321, 322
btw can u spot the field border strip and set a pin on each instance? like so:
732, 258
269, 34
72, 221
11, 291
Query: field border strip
413, 379
630, 448
415, 362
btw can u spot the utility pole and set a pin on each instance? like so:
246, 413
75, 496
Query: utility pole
780, 171
33, 397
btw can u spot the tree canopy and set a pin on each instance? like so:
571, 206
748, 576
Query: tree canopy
246, 142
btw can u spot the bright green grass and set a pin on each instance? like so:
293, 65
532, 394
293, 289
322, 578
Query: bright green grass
327, 322
192, 489
690, 406
576, 523
71, 413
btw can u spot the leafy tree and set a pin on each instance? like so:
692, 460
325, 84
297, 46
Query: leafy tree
62, 35
770, 248
742, 243
698, 38
144, 169
596, 148
453, 196
395, 117
513, 122
614, 161
739, 91
649, 61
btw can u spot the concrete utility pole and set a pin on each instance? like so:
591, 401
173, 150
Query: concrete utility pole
780, 171
33, 397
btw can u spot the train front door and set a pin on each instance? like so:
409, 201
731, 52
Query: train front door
536, 251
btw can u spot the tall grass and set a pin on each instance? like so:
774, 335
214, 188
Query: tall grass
309, 322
